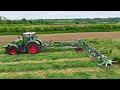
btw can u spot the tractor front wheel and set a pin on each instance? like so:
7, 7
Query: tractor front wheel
12, 50
32, 48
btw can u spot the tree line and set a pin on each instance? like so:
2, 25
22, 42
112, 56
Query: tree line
4, 20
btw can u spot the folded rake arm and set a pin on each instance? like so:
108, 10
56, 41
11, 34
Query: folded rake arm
94, 53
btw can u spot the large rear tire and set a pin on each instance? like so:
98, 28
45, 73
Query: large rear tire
12, 50
32, 48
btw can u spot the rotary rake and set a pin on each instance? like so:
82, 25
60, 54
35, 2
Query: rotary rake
94, 53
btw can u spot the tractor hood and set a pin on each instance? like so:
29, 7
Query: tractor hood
7, 45
16, 42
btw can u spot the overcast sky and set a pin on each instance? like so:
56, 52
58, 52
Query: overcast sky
58, 14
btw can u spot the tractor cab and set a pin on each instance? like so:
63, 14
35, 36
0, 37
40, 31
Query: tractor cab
28, 36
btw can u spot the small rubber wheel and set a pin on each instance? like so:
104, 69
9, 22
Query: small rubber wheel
32, 48
12, 50
79, 50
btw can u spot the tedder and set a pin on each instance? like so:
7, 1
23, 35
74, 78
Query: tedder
31, 44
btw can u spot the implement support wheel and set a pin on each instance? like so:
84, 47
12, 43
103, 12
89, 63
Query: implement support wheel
79, 49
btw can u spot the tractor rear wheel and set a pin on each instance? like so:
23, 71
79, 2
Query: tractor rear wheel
32, 48
12, 50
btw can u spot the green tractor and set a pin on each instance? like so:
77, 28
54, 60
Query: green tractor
28, 43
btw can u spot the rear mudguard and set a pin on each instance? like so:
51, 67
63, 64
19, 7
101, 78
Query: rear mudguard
38, 43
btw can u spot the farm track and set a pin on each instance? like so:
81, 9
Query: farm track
65, 36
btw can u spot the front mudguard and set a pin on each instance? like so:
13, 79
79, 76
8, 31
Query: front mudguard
7, 46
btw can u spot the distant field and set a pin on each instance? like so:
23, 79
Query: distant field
61, 28
61, 63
